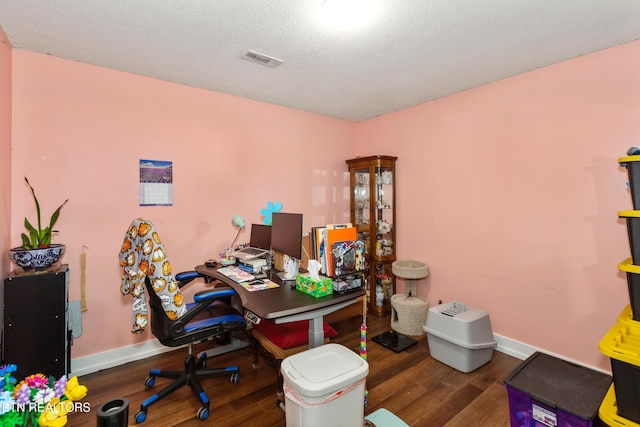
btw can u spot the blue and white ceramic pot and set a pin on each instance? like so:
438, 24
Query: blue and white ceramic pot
38, 259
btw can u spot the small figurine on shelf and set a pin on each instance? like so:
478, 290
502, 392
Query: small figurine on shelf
384, 247
384, 227
379, 294
383, 204
386, 282
362, 203
226, 258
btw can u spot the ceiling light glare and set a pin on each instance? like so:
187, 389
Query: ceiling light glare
345, 15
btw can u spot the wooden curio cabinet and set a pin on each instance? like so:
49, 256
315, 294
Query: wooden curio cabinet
373, 213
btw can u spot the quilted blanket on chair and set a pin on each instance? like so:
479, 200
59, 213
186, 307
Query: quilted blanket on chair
142, 255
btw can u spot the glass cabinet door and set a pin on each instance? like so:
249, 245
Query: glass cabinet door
362, 206
384, 211
373, 214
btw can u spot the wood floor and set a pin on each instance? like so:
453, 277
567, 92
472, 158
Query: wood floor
417, 388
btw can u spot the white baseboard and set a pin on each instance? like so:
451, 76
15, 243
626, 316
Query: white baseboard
119, 356
514, 348
521, 351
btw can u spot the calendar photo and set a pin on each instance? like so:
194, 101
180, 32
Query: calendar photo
156, 183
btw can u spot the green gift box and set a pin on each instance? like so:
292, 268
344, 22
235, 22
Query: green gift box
315, 288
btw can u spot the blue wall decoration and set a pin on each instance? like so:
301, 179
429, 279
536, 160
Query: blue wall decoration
271, 208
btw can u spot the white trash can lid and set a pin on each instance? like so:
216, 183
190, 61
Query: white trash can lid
323, 370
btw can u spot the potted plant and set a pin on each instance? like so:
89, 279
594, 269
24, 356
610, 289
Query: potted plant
37, 251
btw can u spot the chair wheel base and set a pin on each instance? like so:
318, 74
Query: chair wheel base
202, 361
140, 416
203, 413
235, 378
149, 381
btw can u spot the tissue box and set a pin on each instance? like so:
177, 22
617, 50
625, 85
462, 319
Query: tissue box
317, 289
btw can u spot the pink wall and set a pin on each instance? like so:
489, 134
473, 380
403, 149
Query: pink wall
5, 153
80, 131
510, 193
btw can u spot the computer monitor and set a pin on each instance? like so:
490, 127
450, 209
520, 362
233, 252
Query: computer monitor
286, 238
260, 236
286, 233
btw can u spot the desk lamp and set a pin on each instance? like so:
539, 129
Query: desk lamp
228, 259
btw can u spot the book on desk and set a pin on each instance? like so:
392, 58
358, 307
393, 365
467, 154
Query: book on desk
259, 285
246, 279
236, 274
338, 249
253, 265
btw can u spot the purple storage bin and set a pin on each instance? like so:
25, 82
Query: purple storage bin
545, 390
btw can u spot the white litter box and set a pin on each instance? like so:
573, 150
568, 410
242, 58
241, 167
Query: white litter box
324, 386
459, 336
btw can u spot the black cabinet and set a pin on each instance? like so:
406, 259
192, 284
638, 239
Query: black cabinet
36, 333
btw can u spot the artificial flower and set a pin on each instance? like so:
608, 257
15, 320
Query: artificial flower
6, 402
43, 395
36, 400
22, 394
74, 390
6, 380
60, 386
37, 381
54, 415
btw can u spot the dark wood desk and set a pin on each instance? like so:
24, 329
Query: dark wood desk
284, 304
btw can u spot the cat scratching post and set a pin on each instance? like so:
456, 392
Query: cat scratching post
409, 311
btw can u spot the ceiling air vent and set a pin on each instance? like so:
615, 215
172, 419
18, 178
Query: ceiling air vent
262, 59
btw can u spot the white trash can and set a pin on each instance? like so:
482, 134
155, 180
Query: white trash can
324, 386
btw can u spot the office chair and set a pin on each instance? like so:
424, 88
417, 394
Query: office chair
173, 322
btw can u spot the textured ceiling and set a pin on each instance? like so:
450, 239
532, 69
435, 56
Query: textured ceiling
407, 53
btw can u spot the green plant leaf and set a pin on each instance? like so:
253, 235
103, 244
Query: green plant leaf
26, 243
45, 237
40, 238
56, 214
29, 242
35, 199
28, 225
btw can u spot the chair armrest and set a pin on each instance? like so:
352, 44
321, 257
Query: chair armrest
186, 277
213, 294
